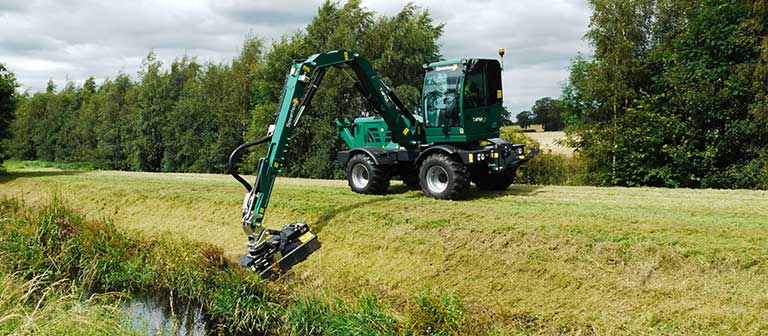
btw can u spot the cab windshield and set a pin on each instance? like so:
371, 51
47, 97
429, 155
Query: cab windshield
441, 96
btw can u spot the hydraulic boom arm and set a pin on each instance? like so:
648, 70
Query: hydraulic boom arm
300, 87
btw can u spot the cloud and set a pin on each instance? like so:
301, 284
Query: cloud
540, 38
73, 40
260, 12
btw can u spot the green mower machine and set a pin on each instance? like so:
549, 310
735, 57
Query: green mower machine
454, 140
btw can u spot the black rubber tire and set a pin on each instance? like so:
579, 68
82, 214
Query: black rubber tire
456, 172
378, 178
495, 181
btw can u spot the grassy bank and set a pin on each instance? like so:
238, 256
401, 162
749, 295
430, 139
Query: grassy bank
56, 255
544, 260
38, 307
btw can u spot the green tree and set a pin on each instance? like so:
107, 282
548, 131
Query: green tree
8, 98
55, 134
548, 112
149, 112
706, 85
23, 142
112, 103
673, 95
619, 32
757, 29
525, 119
84, 118
506, 116
185, 122
234, 92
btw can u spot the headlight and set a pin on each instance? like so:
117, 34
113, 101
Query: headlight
480, 156
520, 150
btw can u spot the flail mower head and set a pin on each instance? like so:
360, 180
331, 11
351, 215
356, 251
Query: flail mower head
281, 250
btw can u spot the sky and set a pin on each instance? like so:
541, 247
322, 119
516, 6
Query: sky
71, 40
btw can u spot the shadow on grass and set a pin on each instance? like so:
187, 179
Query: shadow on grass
514, 190
473, 193
320, 223
398, 188
10, 176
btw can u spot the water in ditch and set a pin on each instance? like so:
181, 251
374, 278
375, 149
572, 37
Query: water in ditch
163, 314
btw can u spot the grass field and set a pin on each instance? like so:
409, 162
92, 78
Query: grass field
548, 142
542, 260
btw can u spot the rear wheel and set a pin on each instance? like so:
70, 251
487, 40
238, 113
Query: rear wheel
495, 181
443, 177
365, 176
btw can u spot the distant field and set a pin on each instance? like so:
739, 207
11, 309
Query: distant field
541, 260
548, 140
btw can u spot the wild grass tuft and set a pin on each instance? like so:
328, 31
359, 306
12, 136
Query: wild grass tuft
240, 303
367, 316
38, 307
438, 313
307, 316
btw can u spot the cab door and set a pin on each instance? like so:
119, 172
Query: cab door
481, 97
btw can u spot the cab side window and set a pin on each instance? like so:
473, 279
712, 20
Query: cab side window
441, 97
482, 86
475, 90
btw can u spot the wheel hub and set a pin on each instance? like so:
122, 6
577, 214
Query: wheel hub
360, 176
437, 179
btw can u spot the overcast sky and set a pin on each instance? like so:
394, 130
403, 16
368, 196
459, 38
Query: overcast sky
75, 39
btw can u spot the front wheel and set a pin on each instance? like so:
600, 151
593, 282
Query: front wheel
365, 176
443, 177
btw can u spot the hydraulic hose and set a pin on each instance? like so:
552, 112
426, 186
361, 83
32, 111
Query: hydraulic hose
231, 162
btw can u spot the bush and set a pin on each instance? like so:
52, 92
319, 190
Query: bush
546, 168
553, 169
16, 165
752, 175
518, 136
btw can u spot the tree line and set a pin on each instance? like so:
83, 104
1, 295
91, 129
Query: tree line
8, 98
546, 112
676, 94
188, 116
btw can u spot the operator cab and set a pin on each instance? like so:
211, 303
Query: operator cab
462, 100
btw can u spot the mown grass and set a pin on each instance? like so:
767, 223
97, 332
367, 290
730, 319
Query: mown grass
539, 260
